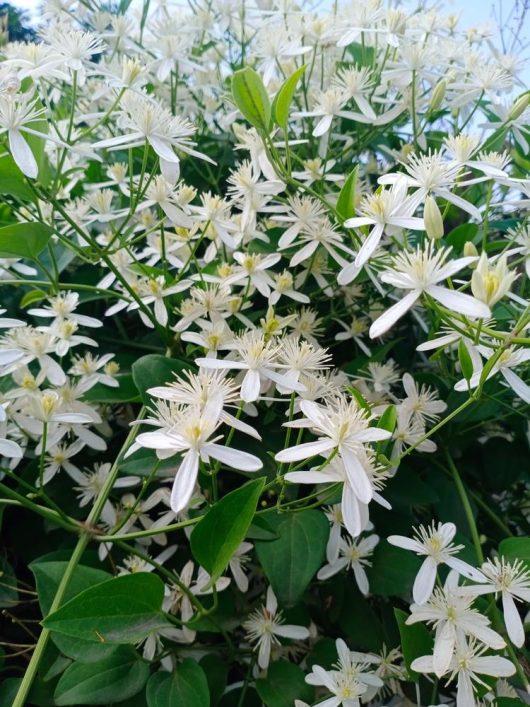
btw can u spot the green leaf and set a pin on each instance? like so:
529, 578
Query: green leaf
459, 236
124, 609
408, 489
126, 391
224, 527
361, 400
388, 419
240, 696
48, 575
8, 585
260, 530
9, 691
359, 622
291, 561
143, 461
285, 682
466, 364
31, 297
12, 181
282, 100
155, 369
516, 549
393, 570
112, 679
24, 240
216, 672
251, 98
415, 641
362, 55
346, 201
186, 686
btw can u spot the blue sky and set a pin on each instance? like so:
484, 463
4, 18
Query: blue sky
473, 11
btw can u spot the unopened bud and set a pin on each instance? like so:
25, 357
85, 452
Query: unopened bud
438, 95
519, 107
470, 251
11, 84
434, 224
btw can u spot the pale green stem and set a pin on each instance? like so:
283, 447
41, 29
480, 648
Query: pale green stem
93, 517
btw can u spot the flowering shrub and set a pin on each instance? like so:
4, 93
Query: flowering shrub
263, 422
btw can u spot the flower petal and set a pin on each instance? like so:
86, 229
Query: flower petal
184, 481
390, 317
459, 302
22, 154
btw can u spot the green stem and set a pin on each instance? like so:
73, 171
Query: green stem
467, 507
42, 460
493, 516
31, 670
47, 513
93, 517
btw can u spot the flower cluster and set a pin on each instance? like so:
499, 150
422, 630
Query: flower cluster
265, 273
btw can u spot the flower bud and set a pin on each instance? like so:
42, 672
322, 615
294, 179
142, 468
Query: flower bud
490, 283
470, 250
434, 224
519, 107
438, 95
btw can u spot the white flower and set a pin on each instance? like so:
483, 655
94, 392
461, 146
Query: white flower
149, 121
319, 232
436, 543
409, 430
284, 286
75, 46
91, 483
419, 272
510, 358
9, 323
354, 554
343, 428
259, 358
421, 400
177, 600
162, 193
349, 678
512, 581
265, 624
432, 174
236, 564
490, 284
188, 430
388, 211
466, 665
356, 83
354, 330
353, 512
303, 212
154, 291
346, 690
16, 116
454, 618
253, 267
58, 457
62, 307
336, 521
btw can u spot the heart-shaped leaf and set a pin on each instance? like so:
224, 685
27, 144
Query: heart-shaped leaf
291, 561
124, 609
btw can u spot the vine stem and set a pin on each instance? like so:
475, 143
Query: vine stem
84, 539
467, 507
480, 557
